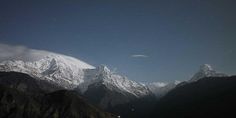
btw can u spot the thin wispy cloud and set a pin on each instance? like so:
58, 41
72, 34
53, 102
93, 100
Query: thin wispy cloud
139, 56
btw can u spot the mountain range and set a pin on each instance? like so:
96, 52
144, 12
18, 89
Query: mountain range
51, 73
70, 73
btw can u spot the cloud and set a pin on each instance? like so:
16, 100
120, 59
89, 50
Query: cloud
139, 56
159, 84
12, 52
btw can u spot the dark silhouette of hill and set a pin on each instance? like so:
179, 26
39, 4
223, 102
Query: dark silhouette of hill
206, 98
26, 83
134, 107
21, 96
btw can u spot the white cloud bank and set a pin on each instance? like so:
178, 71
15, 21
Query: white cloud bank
10, 52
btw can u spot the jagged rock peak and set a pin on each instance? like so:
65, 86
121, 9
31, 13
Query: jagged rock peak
103, 69
206, 67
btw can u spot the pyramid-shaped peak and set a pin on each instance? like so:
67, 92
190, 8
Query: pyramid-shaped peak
206, 71
206, 67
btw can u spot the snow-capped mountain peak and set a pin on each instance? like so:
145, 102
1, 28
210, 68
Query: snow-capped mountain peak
206, 67
62, 70
206, 71
103, 75
71, 62
70, 72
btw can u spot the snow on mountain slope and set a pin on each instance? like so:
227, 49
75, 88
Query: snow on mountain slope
108, 89
113, 82
63, 70
69, 72
206, 71
160, 89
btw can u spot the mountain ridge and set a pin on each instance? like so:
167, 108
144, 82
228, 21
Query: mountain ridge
73, 74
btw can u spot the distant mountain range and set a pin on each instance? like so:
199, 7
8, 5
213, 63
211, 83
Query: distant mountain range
55, 74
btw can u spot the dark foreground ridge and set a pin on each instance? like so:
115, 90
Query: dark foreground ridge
19, 101
210, 97
22, 96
